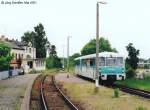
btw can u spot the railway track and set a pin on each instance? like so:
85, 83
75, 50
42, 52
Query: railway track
142, 93
50, 96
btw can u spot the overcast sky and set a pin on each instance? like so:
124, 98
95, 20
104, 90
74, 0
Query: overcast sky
121, 22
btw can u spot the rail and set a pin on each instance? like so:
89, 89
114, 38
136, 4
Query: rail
142, 93
67, 101
42, 94
70, 104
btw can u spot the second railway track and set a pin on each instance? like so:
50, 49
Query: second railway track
133, 91
142, 93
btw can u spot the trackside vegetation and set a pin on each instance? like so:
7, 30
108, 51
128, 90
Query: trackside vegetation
143, 84
131, 61
53, 61
5, 57
103, 98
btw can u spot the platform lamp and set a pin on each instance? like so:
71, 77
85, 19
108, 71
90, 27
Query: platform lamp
97, 43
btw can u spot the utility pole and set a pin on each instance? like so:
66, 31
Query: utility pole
97, 60
68, 53
63, 57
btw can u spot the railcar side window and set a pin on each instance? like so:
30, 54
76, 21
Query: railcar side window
92, 62
84, 63
102, 61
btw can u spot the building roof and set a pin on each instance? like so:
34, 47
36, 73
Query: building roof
15, 44
102, 54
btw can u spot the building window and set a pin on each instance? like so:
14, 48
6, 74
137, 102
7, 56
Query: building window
19, 55
16, 56
29, 50
22, 56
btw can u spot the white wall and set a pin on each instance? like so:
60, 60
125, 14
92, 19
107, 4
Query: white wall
4, 75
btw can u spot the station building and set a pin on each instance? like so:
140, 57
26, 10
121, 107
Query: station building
24, 55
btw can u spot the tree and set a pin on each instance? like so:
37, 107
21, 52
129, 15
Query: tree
53, 61
132, 59
53, 50
90, 47
5, 57
72, 61
28, 37
38, 40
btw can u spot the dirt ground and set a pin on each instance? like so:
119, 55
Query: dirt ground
62, 77
12, 91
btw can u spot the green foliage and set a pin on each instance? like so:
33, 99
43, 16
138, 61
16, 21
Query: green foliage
28, 37
5, 57
41, 41
142, 84
33, 71
141, 108
53, 50
38, 40
53, 62
90, 47
146, 66
130, 73
132, 59
116, 92
72, 61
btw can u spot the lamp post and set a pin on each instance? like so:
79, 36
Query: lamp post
97, 43
63, 57
68, 53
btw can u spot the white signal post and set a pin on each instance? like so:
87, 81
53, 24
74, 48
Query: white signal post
97, 43
68, 53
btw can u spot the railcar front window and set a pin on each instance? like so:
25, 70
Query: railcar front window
119, 61
114, 61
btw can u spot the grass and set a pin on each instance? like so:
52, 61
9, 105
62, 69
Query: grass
104, 98
2, 88
50, 71
45, 72
16, 106
141, 108
143, 84
116, 92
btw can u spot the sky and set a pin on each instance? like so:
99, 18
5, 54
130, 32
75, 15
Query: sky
121, 22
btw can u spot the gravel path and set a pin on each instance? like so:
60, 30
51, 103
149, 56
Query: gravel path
62, 77
12, 91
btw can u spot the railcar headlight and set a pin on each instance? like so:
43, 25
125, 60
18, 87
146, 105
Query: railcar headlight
103, 75
99, 69
123, 70
120, 75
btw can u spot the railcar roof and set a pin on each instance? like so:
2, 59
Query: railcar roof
102, 54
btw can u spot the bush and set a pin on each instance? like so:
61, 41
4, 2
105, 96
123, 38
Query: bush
141, 108
5, 57
130, 73
33, 71
116, 92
